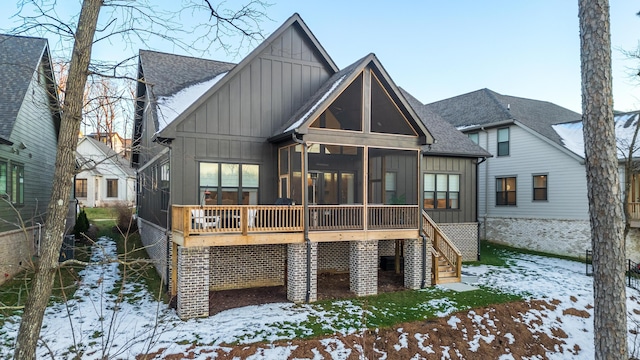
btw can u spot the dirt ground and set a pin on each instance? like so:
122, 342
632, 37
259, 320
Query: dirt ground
331, 286
504, 324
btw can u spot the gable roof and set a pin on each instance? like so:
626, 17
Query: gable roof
572, 136
448, 140
331, 89
109, 155
19, 59
168, 75
207, 89
488, 108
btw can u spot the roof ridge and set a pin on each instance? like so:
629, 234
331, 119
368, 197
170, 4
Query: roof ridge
186, 56
494, 96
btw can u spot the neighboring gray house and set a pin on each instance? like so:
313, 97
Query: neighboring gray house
273, 170
107, 178
29, 125
532, 192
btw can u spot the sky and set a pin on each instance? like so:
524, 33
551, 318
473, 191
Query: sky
439, 49
142, 325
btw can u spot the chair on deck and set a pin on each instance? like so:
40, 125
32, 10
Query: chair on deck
202, 221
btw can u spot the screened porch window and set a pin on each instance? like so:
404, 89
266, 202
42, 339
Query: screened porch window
345, 113
386, 117
229, 184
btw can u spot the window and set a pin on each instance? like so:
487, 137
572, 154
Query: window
229, 184
112, 187
164, 186
81, 188
539, 187
475, 137
506, 191
345, 113
3, 178
17, 184
441, 191
503, 142
390, 188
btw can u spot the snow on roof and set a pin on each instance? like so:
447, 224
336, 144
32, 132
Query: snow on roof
170, 107
463, 127
572, 136
317, 103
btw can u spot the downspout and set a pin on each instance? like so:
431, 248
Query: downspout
305, 204
168, 223
478, 205
423, 283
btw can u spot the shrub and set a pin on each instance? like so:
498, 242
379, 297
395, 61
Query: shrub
82, 225
124, 220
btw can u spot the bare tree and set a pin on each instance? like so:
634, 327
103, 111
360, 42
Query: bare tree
605, 210
138, 22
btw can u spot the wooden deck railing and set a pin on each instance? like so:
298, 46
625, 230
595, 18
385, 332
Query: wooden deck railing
335, 217
442, 245
243, 219
393, 216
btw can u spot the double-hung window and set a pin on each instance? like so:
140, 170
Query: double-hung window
441, 191
506, 191
540, 187
81, 188
503, 142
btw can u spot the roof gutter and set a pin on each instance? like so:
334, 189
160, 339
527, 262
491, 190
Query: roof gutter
486, 126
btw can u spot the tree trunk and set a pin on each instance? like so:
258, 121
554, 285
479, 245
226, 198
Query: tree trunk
605, 208
38, 298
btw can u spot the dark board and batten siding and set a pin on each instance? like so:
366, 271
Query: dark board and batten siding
234, 123
466, 168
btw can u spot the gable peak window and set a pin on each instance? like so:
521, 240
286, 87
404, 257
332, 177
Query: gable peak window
345, 112
386, 117
503, 141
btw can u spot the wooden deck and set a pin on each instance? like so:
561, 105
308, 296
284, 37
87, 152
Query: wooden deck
230, 225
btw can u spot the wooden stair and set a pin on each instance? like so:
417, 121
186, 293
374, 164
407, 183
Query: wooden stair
446, 272
446, 259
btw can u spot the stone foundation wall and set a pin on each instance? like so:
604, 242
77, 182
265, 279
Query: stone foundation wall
333, 257
465, 237
237, 267
563, 237
16, 249
155, 242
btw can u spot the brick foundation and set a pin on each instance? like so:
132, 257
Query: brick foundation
363, 267
237, 267
16, 249
333, 257
193, 282
297, 272
413, 264
464, 237
155, 243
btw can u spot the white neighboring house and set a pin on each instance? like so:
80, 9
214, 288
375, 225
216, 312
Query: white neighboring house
533, 191
107, 178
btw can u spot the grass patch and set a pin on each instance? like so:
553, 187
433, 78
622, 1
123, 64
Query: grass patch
390, 309
100, 213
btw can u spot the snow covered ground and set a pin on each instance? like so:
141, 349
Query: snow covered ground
141, 325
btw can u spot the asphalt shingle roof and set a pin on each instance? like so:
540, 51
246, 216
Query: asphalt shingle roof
19, 58
448, 139
485, 107
167, 74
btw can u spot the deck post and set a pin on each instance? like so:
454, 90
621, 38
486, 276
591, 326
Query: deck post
363, 267
413, 264
193, 282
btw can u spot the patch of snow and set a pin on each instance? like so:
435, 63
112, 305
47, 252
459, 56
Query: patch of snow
170, 107
317, 103
464, 127
453, 322
403, 341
